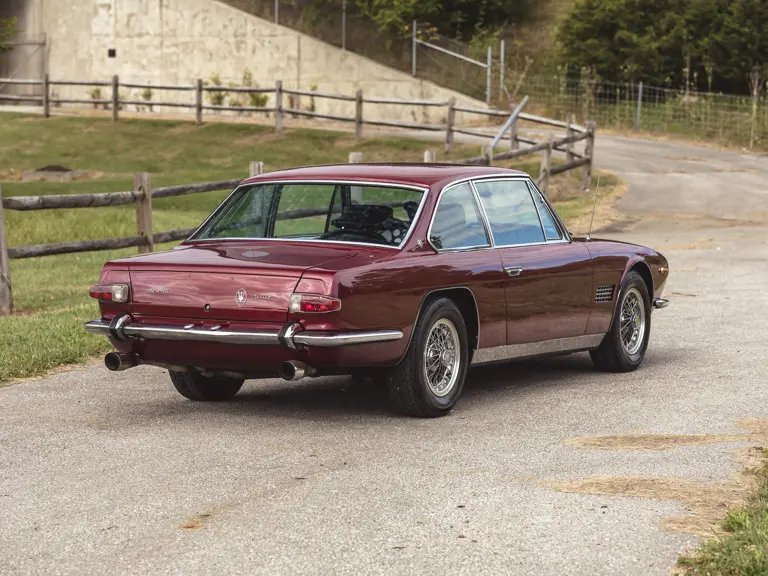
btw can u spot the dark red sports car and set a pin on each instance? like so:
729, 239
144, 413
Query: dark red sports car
403, 273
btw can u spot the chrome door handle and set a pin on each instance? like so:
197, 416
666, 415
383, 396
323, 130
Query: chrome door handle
513, 270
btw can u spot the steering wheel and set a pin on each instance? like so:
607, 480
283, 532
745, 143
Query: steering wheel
364, 233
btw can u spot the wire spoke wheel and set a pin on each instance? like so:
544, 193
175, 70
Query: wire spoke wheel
632, 321
442, 357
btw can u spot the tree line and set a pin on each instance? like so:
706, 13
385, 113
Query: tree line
714, 45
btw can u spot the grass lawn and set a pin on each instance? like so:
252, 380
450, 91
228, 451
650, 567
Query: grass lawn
51, 293
743, 550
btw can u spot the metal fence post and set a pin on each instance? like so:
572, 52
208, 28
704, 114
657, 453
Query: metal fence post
430, 157
501, 70
546, 166
355, 157
255, 168
46, 96
413, 51
6, 296
639, 104
115, 97
344, 24
199, 102
589, 152
359, 114
142, 185
488, 76
451, 123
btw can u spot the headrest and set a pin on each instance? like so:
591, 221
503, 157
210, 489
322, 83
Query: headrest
363, 216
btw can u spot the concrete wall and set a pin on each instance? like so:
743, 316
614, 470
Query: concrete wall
178, 41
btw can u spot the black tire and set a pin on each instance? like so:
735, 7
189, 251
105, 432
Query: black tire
611, 355
407, 384
193, 385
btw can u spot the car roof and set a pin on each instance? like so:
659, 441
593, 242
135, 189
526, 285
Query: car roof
426, 175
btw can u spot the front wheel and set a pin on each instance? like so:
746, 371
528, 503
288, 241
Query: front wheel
623, 348
430, 379
193, 385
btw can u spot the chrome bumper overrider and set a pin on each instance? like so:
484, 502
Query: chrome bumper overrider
290, 336
660, 303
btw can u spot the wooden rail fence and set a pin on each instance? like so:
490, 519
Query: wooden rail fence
143, 193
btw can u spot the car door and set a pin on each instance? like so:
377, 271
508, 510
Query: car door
548, 281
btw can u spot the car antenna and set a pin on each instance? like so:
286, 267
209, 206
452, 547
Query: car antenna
594, 205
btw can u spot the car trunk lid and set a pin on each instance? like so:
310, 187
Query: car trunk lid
224, 282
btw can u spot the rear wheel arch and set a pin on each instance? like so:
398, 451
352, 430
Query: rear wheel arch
466, 302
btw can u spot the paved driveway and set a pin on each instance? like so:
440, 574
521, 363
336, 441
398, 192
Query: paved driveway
116, 473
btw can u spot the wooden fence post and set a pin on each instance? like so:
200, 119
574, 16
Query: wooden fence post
451, 123
46, 96
513, 143
279, 106
355, 157
256, 167
142, 184
199, 102
359, 115
546, 166
115, 97
589, 152
430, 157
6, 297
569, 157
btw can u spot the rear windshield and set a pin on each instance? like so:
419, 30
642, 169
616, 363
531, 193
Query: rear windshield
329, 212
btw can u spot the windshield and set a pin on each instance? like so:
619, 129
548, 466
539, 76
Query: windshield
330, 212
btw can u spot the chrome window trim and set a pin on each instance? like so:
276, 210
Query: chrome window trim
482, 220
533, 200
483, 214
423, 189
558, 221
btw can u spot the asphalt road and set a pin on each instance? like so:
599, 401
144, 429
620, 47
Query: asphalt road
116, 473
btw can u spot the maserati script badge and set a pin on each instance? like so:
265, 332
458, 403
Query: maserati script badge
158, 290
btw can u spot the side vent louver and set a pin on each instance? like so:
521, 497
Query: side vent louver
604, 294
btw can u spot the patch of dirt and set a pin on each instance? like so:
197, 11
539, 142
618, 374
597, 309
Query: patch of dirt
697, 245
194, 522
707, 503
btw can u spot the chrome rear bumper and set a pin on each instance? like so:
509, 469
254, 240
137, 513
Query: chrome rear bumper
290, 336
660, 303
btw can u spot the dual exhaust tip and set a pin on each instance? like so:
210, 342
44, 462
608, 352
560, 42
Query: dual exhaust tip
292, 370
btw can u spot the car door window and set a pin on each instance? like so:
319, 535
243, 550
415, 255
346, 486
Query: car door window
551, 231
457, 222
511, 212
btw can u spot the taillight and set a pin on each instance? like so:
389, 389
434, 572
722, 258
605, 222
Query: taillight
111, 292
313, 304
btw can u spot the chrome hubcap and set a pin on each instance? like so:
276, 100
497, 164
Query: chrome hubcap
442, 357
632, 321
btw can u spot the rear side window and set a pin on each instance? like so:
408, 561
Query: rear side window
511, 212
457, 223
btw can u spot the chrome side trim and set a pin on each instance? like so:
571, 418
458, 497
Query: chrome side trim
423, 189
660, 303
559, 345
250, 337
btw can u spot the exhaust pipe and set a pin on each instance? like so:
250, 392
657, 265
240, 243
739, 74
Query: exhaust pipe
295, 370
117, 361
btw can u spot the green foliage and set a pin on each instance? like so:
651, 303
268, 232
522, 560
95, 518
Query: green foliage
743, 550
256, 100
454, 18
700, 43
215, 98
7, 31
